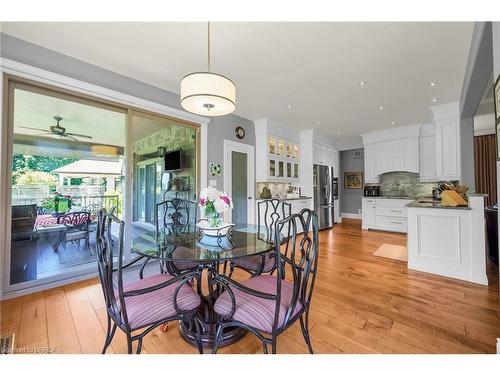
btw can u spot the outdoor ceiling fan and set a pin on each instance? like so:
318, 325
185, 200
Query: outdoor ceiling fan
57, 131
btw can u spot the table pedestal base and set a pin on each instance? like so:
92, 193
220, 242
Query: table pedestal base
229, 336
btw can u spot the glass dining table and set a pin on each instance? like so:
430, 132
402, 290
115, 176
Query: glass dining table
187, 248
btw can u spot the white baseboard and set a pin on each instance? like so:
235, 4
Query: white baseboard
348, 215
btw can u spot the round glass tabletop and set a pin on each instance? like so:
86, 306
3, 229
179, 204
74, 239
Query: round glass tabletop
188, 244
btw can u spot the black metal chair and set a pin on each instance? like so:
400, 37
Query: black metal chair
269, 212
144, 304
173, 217
267, 305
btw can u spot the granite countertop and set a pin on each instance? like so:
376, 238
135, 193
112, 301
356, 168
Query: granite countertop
435, 204
386, 197
284, 199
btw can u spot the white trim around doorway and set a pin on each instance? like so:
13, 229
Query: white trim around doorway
230, 146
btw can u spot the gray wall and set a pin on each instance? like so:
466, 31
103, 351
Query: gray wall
219, 128
477, 74
350, 199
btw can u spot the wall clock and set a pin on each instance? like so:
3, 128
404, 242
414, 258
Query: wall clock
240, 132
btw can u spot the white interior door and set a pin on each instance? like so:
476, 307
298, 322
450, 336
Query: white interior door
239, 181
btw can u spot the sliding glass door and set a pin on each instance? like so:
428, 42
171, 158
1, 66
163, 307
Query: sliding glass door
67, 162
68, 158
153, 138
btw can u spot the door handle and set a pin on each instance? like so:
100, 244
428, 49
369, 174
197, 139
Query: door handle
249, 198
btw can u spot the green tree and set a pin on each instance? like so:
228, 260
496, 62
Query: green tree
35, 177
39, 163
23, 163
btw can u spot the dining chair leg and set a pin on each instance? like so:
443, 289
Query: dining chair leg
273, 346
139, 346
110, 332
199, 344
264, 347
304, 326
218, 336
129, 343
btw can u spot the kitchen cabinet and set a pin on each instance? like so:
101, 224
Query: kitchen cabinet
428, 172
448, 150
368, 213
385, 214
324, 155
282, 159
371, 171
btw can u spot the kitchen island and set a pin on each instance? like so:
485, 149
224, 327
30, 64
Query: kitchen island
448, 241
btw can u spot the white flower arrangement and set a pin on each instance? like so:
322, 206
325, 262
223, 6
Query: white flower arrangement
213, 203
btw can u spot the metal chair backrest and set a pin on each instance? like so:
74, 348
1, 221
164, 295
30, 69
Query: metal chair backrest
107, 251
175, 214
302, 262
269, 212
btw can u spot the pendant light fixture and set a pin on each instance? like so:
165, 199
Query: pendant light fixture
208, 93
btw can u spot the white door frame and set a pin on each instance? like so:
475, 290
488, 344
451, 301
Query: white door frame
229, 147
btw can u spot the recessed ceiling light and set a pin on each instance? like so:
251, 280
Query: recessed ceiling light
362, 83
317, 122
380, 107
432, 84
434, 100
339, 132
393, 123
289, 106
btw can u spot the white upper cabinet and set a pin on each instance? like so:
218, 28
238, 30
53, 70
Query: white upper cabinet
371, 171
391, 150
448, 150
428, 159
428, 154
324, 155
447, 127
277, 156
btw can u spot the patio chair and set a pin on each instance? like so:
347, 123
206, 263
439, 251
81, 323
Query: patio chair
144, 304
268, 305
79, 227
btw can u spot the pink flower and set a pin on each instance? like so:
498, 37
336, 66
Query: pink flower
225, 199
202, 202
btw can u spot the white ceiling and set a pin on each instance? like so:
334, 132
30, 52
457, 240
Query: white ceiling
315, 67
36, 110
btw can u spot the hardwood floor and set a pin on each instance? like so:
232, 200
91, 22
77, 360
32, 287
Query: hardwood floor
362, 304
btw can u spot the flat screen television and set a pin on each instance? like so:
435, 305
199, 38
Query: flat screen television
173, 160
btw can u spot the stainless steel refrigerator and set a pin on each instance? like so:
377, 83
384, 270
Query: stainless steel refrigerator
323, 195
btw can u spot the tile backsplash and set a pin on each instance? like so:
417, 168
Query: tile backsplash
404, 184
278, 189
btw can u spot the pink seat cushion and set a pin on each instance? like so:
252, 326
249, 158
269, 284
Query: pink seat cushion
148, 308
255, 311
254, 263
